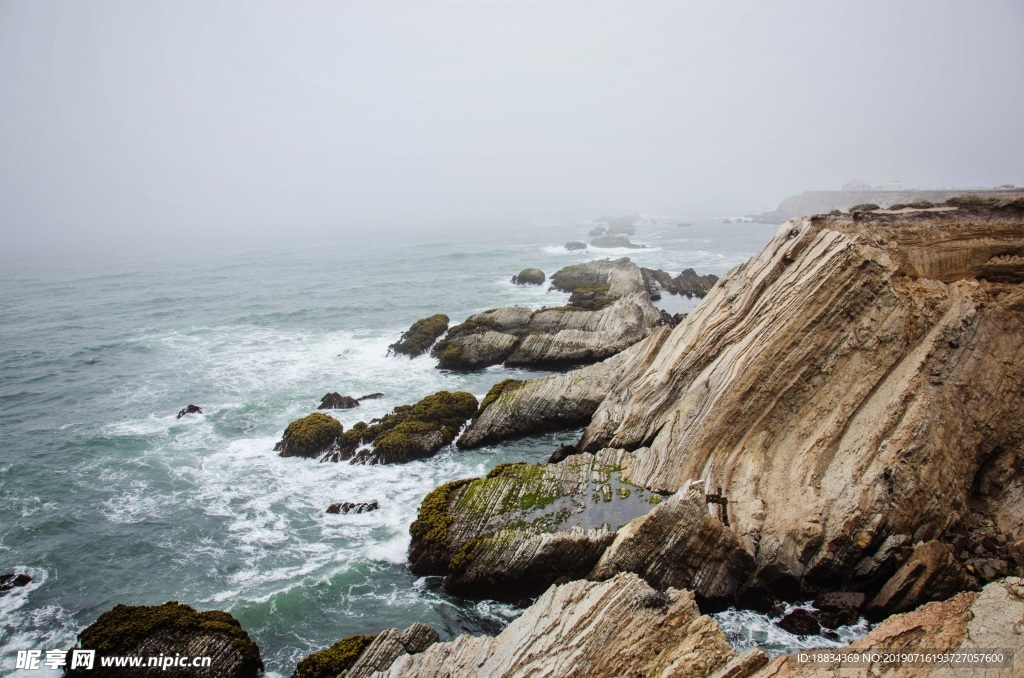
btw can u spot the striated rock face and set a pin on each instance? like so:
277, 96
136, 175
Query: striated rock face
967, 622
171, 629
621, 627
610, 313
346, 507
362, 656
849, 392
931, 573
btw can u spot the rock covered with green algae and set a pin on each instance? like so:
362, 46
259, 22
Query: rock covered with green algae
363, 656
512, 534
310, 436
529, 276
418, 339
170, 629
410, 432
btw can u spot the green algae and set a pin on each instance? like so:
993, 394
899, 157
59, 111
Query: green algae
418, 339
333, 660
309, 436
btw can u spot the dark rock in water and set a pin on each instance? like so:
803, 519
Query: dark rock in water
310, 436
597, 230
931, 573
833, 620
191, 409
410, 432
370, 396
687, 283
336, 401
529, 276
366, 655
800, 622
623, 225
575, 245
171, 629
347, 507
9, 581
561, 453
418, 339
614, 241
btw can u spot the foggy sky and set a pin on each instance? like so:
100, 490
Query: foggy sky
126, 121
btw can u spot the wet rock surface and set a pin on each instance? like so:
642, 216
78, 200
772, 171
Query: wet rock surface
190, 409
336, 401
310, 436
418, 339
347, 507
12, 580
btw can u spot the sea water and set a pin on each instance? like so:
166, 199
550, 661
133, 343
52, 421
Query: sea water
107, 498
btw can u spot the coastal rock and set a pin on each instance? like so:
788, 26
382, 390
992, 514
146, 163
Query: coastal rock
613, 241
529, 276
575, 245
608, 312
370, 396
687, 283
931, 573
563, 452
418, 339
310, 436
191, 409
623, 224
597, 230
821, 202
347, 507
386, 647
620, 627
968, 622
799, 622
680, 545
410, 432
334, 660
10, 581
336, 401
171, 629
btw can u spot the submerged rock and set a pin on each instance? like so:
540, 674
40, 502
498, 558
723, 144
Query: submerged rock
191, 409
418, 339
529, 276
336, 401
620, 627
410, 432
10, 581
347, 507
310, 436
171, 629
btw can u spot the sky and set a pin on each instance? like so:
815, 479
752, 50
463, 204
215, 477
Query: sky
131, 122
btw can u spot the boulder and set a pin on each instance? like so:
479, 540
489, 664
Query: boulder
191, 409
575, 245
418, 339
10, 581
410, 432
613, 241
931, 573
170, 630
620, 627
529, 276
370, 396
799, 622
310, 436
563, 452
347, 507
336, 401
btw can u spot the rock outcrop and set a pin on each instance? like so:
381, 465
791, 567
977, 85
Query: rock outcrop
575, 245
820, 202
336, 401
687, 283
614, 241
12, 580
849, 392
190, 409
346, 507
606, 315
170, 630
310, 436
620, 627
418, 339
529, 276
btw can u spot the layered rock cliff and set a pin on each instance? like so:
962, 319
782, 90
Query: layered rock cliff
850, 391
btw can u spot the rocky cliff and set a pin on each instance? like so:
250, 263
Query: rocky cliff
820, 202
849, 392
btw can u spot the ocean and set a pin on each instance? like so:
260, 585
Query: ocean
107, 498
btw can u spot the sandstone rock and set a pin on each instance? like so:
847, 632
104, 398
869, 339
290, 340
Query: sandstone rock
931, 573
418, 339
347, 507
586, 629
171, 629
389, 645
310, 436
336, 401
191, 409
744, 665
575, 245
10, 581
529, 276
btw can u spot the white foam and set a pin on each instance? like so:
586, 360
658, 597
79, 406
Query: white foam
747, 628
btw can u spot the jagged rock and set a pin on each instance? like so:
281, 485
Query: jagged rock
563, 452
575, 245
347, 507
410, 432
529, 276
9, 581
334, 660
336, 401
170, 630
845, 388
967, 622
310, 436
418, 339
615, 315
191, 409
680, 545
799, 622
370, 396
612, 241
932, 573
389, 645
687, 283
840, 601
586, 629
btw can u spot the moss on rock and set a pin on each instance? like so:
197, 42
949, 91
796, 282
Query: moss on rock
333, 660
174, 626
429, 550
418, 339
310, 436
501, 388
529, 276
